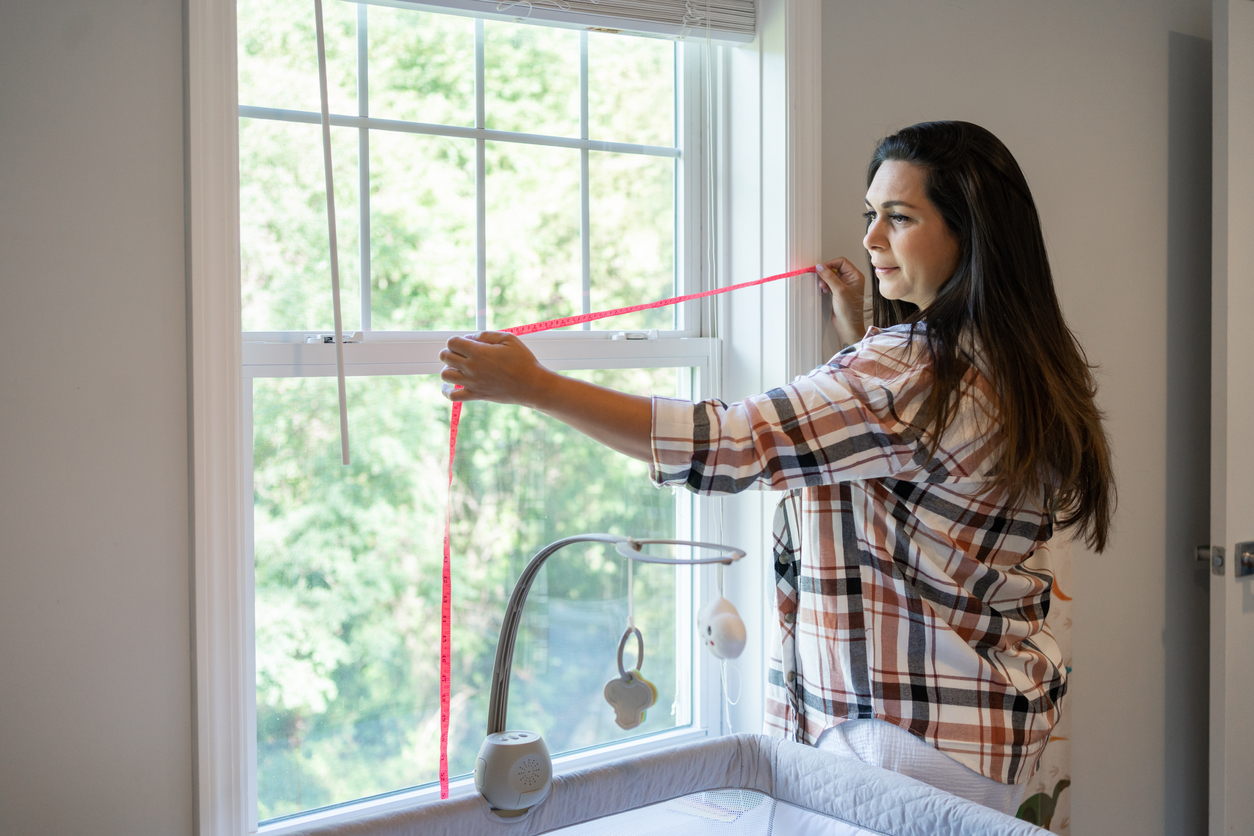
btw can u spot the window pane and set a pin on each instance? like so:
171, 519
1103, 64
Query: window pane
284, 252
533, 233
278, 55
422, 232
528, 485
632, 226
631, 89
348, 583
531, 79
422, 66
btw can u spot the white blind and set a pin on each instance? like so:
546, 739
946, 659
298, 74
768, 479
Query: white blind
728, 20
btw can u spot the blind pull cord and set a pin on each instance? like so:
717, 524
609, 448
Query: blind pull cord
335, 249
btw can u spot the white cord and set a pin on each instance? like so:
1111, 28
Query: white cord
631, 597
727, 690
711, 245
711, 237
335, 260
506, 5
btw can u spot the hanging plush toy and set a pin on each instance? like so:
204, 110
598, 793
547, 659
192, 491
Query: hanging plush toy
720, 629
629, 693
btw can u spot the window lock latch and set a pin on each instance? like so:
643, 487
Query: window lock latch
636, 335
329, 339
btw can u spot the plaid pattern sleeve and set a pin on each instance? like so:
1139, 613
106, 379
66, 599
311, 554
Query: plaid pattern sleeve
901, 584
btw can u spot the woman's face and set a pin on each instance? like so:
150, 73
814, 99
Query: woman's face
912, 250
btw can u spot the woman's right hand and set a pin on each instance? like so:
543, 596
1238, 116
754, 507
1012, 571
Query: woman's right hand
847, 287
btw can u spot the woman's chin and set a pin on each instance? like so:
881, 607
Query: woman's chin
899, 297
890, 290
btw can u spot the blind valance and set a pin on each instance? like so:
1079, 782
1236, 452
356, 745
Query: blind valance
729, 21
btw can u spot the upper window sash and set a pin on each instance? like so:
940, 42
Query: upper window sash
689, 203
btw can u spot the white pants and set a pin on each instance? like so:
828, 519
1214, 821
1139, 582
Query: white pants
890, 747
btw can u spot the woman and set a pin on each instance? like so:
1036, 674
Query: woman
927, 462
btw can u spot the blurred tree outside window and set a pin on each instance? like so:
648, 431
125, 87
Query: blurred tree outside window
449, 220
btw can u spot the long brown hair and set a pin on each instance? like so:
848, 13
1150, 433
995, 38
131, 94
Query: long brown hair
1002, 294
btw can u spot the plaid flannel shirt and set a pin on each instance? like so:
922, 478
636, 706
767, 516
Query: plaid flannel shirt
908, 589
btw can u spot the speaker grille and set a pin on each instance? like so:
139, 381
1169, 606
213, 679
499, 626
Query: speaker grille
529, 774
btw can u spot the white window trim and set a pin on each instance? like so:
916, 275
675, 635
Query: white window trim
219, 593
770, 149
770, 223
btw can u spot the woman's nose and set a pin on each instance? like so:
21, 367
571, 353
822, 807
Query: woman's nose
874, 238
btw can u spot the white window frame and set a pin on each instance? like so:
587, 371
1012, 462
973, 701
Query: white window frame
277, 354
768, 214
767, 219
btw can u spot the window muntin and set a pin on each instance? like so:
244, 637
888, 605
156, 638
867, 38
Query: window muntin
423, 196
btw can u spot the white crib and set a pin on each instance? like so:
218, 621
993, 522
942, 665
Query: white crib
727, 786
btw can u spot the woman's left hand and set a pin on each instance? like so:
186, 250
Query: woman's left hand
847, 286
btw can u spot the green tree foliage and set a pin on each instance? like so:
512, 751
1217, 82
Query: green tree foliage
348, 582
348, 560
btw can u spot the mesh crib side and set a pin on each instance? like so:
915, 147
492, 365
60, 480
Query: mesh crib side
736, 761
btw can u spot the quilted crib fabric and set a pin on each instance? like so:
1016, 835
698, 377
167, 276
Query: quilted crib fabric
840, 789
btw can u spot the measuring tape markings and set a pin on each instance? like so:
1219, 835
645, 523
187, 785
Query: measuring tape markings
446, 601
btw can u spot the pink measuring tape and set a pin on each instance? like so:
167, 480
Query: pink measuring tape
446, 621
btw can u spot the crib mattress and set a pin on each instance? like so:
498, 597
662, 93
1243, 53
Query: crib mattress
717, 813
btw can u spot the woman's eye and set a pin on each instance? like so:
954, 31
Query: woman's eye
900, 219
868, 216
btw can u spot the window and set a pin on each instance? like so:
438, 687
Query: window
767, 101
488, 173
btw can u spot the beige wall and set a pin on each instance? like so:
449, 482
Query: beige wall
1099, 101
1106, 107
95, 659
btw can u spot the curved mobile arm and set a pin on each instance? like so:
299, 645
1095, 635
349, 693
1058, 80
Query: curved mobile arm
498, 701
